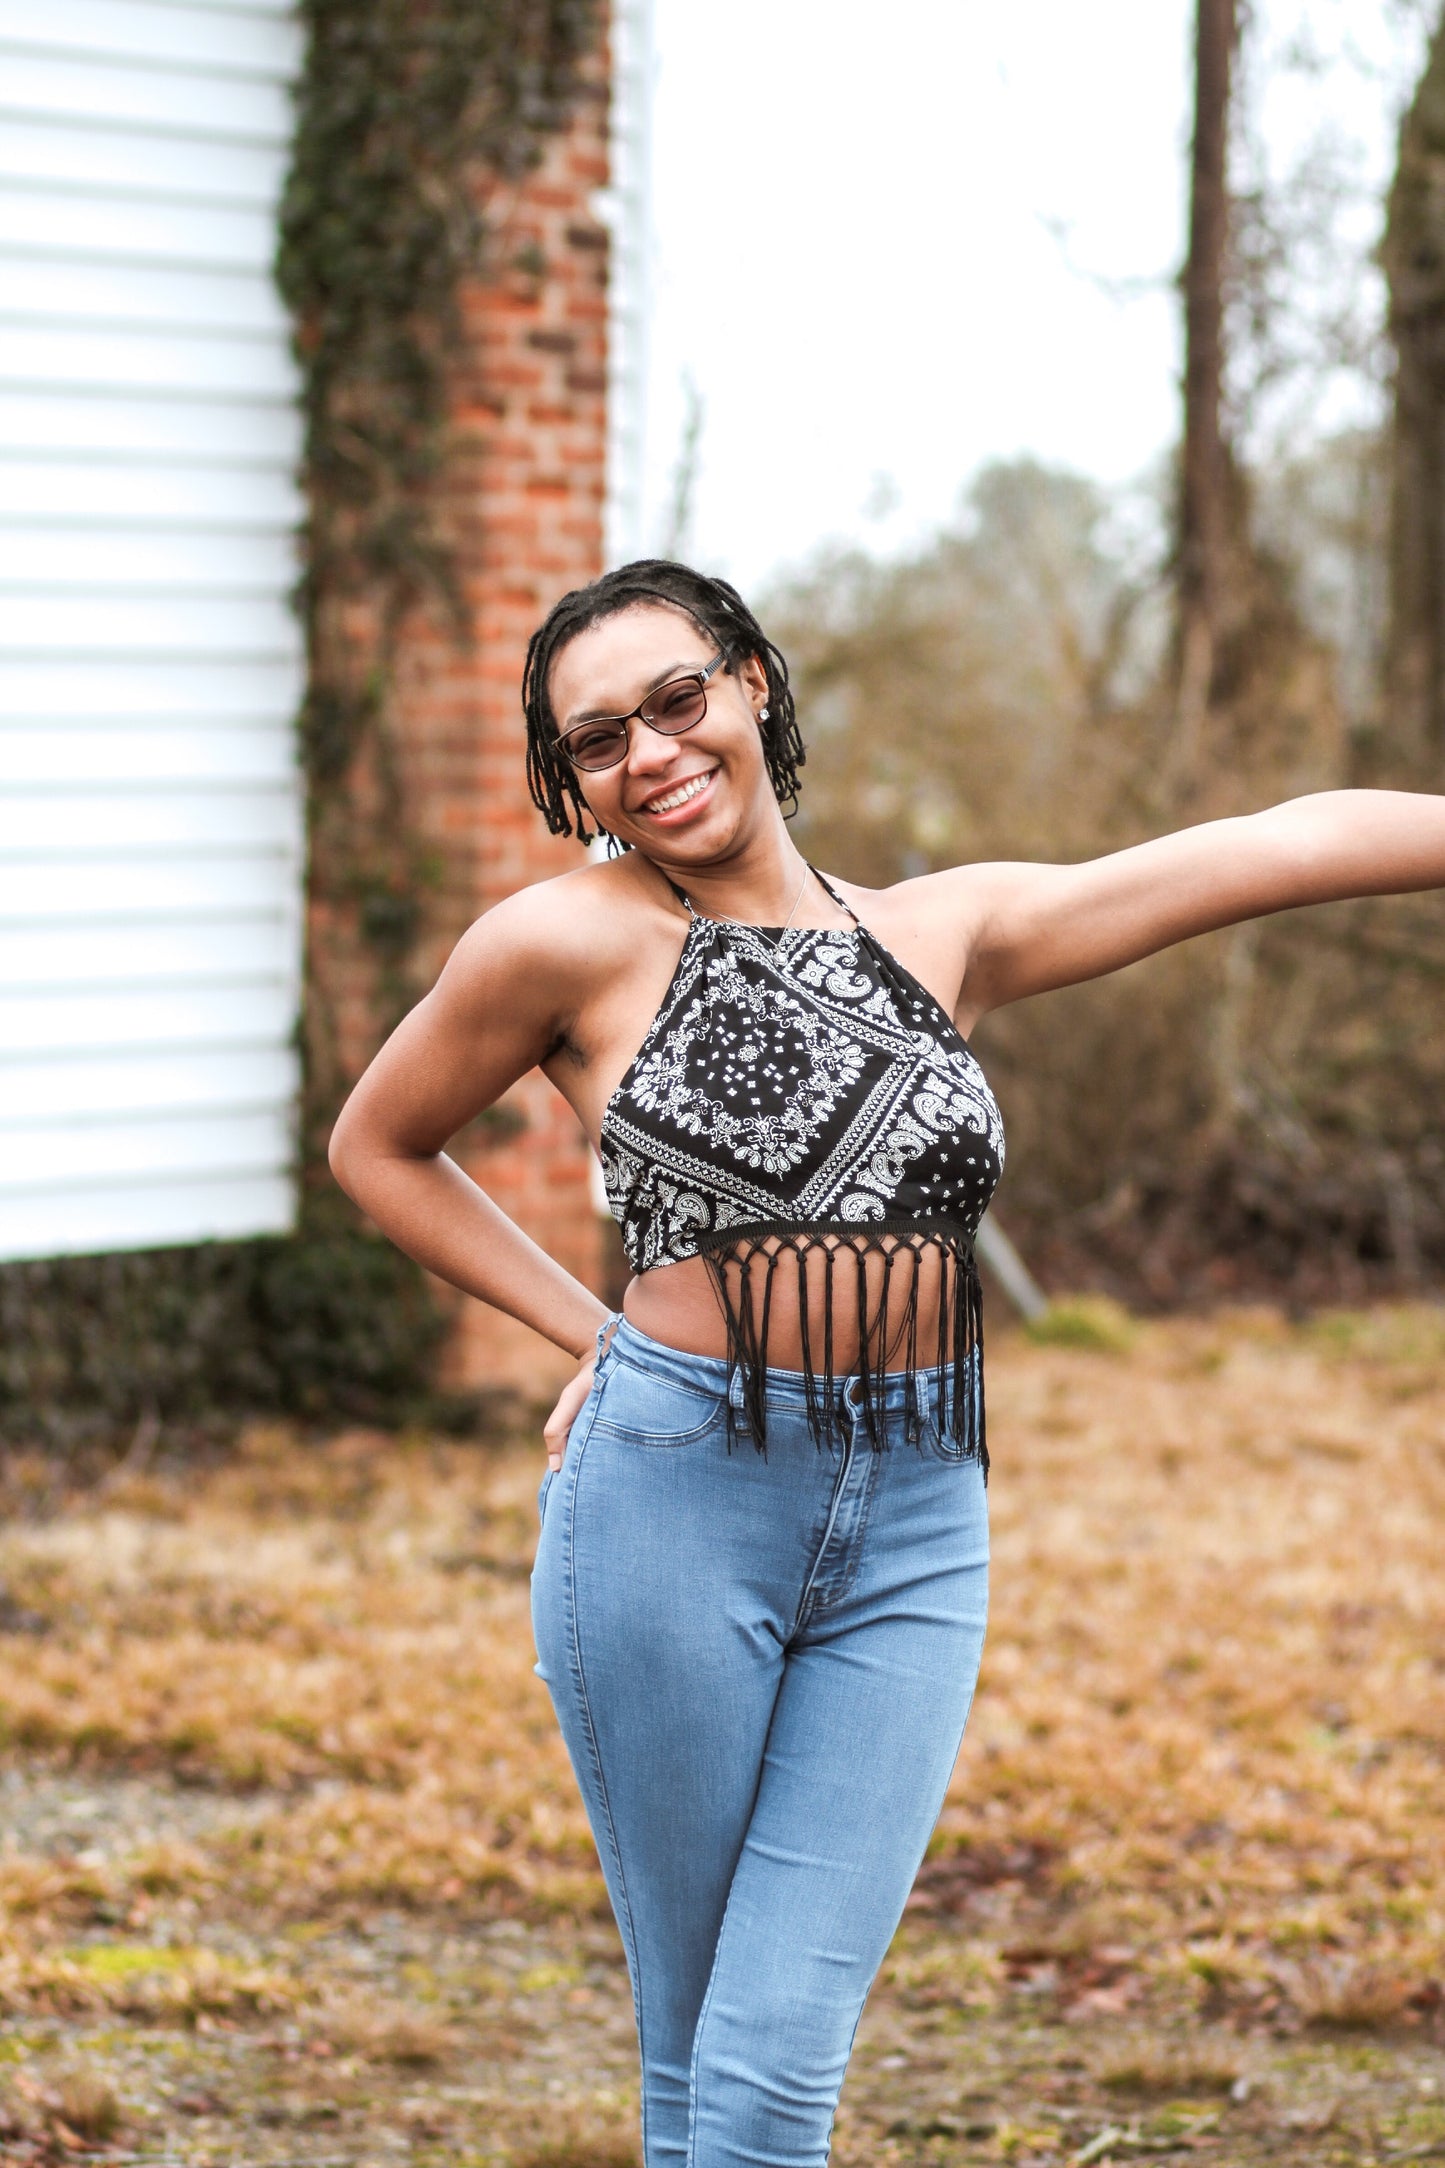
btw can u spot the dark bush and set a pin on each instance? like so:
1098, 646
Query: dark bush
330, 1325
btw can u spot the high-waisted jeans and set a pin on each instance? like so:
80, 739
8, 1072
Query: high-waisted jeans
762, 1669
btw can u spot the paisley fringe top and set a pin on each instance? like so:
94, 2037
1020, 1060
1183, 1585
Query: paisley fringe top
801, 1097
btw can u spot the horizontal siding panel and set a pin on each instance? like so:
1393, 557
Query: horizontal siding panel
197, 1016
113, 1085
212, 365
67, 687
146, 1215
95, 558
48, 288
164, 625
69, 222
145, 954
243, 430
55, 755
61, 490
151, 664
230, 109
93, 888
84, 819
85, 155
67, 1154
188, 37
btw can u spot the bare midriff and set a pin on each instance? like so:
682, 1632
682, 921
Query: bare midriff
679, 1305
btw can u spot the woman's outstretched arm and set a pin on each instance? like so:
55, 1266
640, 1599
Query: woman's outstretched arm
498, 1009
1035, 927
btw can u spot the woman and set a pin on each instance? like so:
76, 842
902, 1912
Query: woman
760, 1589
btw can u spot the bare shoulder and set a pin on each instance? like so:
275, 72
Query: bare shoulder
576, 913
553, 942
930, 922
931, 905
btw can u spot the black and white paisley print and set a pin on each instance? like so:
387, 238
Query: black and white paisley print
800, 1092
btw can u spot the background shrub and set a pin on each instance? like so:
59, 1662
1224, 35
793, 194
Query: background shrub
329, 1325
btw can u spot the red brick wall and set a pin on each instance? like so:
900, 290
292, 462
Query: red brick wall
522, 503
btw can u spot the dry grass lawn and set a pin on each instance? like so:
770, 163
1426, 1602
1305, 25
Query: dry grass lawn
293, 1868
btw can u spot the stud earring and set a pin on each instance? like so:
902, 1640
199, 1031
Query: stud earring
762, 715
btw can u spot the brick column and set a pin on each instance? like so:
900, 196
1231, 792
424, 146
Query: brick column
522, 504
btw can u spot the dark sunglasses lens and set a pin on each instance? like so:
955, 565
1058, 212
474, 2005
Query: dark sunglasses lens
596, 745
678, 706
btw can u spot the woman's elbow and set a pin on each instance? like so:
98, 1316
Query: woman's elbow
364, 1155
343, 1154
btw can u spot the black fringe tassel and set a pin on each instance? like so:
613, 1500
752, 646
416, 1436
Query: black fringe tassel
744, 1262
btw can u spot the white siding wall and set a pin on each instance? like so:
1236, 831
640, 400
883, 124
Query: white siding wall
150, 818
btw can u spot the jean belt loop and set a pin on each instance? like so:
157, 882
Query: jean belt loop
605, 1333
916, 1405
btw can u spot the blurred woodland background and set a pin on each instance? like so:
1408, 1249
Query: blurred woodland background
1068, 671
292, 1866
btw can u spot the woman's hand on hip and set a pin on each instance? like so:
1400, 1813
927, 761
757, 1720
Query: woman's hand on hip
569, 1406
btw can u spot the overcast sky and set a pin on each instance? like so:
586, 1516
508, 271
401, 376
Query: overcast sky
883, 242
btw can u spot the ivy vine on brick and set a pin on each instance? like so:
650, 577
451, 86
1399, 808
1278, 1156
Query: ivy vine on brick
410, 115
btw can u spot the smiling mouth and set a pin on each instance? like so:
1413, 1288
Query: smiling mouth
683, 794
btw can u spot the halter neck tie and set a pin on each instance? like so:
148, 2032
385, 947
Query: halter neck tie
825, 884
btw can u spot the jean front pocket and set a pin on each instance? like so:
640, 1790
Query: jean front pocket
542, 1497
653, 1411
941, 1432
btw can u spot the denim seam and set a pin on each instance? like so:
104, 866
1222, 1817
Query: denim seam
958, 1748
851, 1564
936, 1431
662, 1439
834, 1506
580, 1678
860, 1534
702, 2014
580, 1432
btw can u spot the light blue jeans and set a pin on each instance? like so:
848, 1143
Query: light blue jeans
762, 1669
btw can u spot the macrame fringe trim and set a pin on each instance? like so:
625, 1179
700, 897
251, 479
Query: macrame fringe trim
744, 1264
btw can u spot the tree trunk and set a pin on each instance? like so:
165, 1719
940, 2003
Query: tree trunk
1414, 262
1204, 481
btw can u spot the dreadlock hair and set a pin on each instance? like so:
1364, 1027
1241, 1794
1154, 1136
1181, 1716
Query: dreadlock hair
718, 611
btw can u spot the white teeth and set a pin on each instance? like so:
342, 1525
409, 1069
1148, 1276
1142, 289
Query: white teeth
679, 797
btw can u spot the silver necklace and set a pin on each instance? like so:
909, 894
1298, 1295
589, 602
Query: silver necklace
787, 922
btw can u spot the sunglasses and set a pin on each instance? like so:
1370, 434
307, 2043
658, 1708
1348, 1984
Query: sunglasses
678, 705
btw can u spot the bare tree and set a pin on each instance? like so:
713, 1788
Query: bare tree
678, 533
1414, 261
1204, 496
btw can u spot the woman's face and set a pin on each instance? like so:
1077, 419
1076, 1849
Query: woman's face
685, 800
